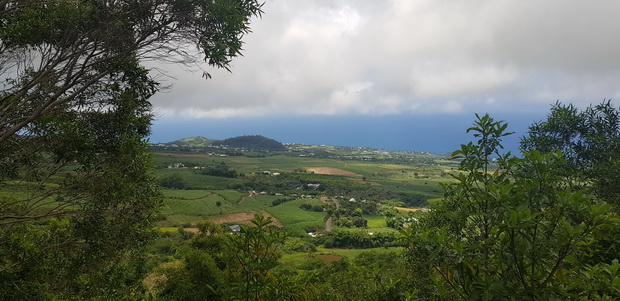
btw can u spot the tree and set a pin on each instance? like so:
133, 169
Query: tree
62, 54
173, 181
357, 212
77, 213
77, 181
590, 139
219, 266
514, 228
253, 254
359, 222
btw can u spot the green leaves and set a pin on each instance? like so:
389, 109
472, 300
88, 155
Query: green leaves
590, 141
507, 225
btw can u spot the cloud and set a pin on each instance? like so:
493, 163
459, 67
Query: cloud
410, 56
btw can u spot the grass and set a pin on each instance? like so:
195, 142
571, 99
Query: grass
194, 180
352, 253
168, 229
375, 221
349, 254
187, 206
296, 219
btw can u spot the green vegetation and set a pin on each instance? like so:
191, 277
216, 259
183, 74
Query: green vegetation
78, 192
192, 142
503, 227
520, 229
590, 141
88, 213
256, 142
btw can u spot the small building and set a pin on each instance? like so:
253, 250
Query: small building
235, 228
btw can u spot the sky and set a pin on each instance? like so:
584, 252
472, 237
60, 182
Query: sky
398, 74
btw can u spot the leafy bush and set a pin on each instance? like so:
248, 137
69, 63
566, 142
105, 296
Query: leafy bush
517, 229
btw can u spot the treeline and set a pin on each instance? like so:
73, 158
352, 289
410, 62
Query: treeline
359, 240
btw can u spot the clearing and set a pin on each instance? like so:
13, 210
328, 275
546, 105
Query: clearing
332, 171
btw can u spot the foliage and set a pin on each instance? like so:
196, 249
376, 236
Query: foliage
359, 222
255, 142
371, 275
59, 55
87, 194
279, 201
295, 244
518, 230
173, 181
219, 170
412, 199
344, 222
358, 240
253, 254
590, 140
218, 266
196, 278
75, 112
309, 207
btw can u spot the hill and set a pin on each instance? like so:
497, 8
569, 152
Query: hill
192, 142
255, 142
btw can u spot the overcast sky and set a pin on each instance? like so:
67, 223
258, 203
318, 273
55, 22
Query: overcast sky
410, 57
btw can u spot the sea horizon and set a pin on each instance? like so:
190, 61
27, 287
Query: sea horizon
441, 134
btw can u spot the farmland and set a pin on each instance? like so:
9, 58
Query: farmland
297, 188
298, 179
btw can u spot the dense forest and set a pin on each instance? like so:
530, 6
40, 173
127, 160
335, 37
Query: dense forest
79, 195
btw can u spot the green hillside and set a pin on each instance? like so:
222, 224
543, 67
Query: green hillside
256, 142
193, 142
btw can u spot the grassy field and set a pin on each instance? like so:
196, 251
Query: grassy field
296, 219
190, 206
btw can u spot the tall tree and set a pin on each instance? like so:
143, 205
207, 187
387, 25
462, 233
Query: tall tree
77, 186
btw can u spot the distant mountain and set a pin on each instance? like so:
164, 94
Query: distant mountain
193, 142
256, 142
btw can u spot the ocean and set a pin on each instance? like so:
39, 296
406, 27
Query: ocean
440, 134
